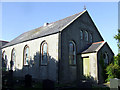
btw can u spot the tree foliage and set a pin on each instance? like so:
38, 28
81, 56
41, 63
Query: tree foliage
113, 69
117, 37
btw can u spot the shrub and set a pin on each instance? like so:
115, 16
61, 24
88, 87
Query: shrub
113, 69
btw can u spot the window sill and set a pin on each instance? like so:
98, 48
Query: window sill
26, 65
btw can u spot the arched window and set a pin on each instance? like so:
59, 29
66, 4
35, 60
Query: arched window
91, 38
106, 58
86, 36
4, 60
13, 59
3, 55
26, 55
81, 34
44, 53
72, 53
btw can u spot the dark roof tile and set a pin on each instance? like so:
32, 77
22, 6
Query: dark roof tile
94, 47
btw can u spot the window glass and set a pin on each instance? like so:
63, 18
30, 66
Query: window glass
81, 34
3, 55
86, 36
44, 53
4, 61
13, 59
72, 53
105, 57
91, 38
26, 55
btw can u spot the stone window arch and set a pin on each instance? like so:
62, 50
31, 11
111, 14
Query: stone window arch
86, 35
106, 58
3, 55
26, 55
44, 53
72, 53
91, 38
81, 34
4, 60
13, 59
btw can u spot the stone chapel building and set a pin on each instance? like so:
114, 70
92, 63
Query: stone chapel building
63, 51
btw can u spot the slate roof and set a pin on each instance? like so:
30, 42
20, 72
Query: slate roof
51, 28
95, 47
2, 43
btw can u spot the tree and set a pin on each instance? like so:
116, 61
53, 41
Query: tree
113, 69
117, 37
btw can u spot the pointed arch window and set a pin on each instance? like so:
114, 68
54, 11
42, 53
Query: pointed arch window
81, 34
3, 56
44, 53
86, 36
72, 53
13, 59
106, 58
26, 55
4, 60
91, 38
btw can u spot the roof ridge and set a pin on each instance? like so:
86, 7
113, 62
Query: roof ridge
66, 17
98, 42
54, 22
45, 30
100, 46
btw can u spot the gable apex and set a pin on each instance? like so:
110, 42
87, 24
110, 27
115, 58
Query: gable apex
79, 14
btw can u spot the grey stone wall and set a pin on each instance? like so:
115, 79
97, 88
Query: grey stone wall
104, 49
72, 33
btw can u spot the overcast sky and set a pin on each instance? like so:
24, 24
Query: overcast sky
20, 17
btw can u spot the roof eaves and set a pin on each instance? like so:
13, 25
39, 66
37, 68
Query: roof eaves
96, 27
110, 48
73, 20
4, 41
30, 39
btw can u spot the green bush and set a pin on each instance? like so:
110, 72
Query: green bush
113, 69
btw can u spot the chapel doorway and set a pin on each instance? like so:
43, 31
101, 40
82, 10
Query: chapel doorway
86, 67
